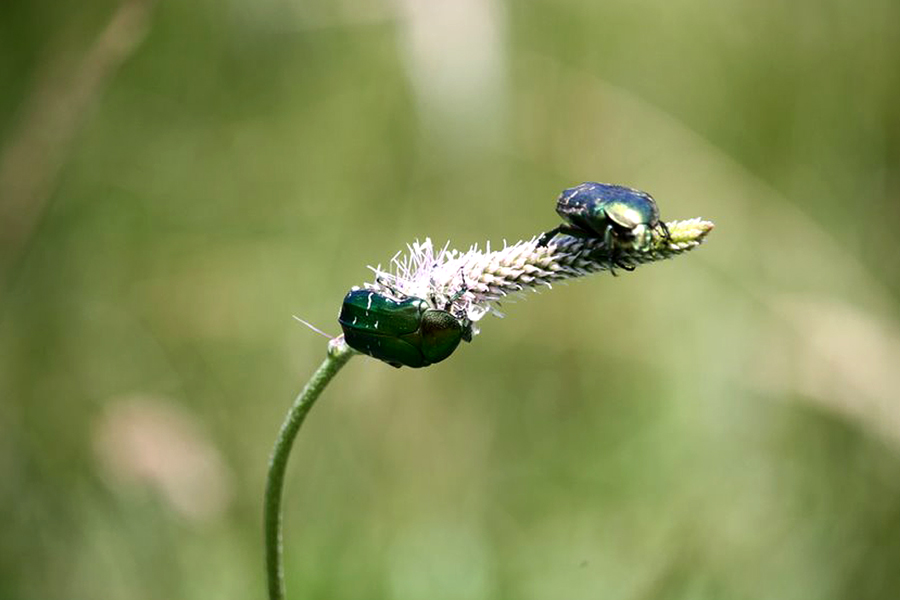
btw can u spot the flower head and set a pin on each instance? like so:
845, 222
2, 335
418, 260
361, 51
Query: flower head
468, 284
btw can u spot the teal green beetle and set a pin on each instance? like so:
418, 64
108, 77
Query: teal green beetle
624, 218
407, 332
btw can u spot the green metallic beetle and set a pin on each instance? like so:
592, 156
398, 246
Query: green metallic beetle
624, 218
407, 332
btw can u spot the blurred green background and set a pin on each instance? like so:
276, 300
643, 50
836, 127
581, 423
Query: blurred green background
177, 179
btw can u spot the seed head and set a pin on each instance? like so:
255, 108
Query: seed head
469, 284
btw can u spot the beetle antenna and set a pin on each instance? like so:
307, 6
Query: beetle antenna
313, 327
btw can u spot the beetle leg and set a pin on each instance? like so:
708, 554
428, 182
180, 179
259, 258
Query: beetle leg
608, 235
667, 235
613, 256
448, 303
462, 290
381, 281
569, 230
615, 262
549, 235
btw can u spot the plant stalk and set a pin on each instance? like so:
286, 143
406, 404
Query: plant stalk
338, 355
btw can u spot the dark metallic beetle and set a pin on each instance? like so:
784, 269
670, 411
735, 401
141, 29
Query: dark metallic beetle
620, 216
407, 332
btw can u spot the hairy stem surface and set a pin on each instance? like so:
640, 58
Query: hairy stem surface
338, 355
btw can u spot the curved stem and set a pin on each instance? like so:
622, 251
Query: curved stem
338, 355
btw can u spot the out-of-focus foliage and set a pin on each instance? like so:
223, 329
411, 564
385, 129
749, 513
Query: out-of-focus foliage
178, 178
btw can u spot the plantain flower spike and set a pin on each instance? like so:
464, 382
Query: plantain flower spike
469, 284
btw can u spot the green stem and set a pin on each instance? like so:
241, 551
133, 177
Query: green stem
338, 355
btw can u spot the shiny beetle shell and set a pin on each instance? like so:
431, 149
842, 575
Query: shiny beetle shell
613, 213
406, 332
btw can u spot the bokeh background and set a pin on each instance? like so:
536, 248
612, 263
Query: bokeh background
177, 179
